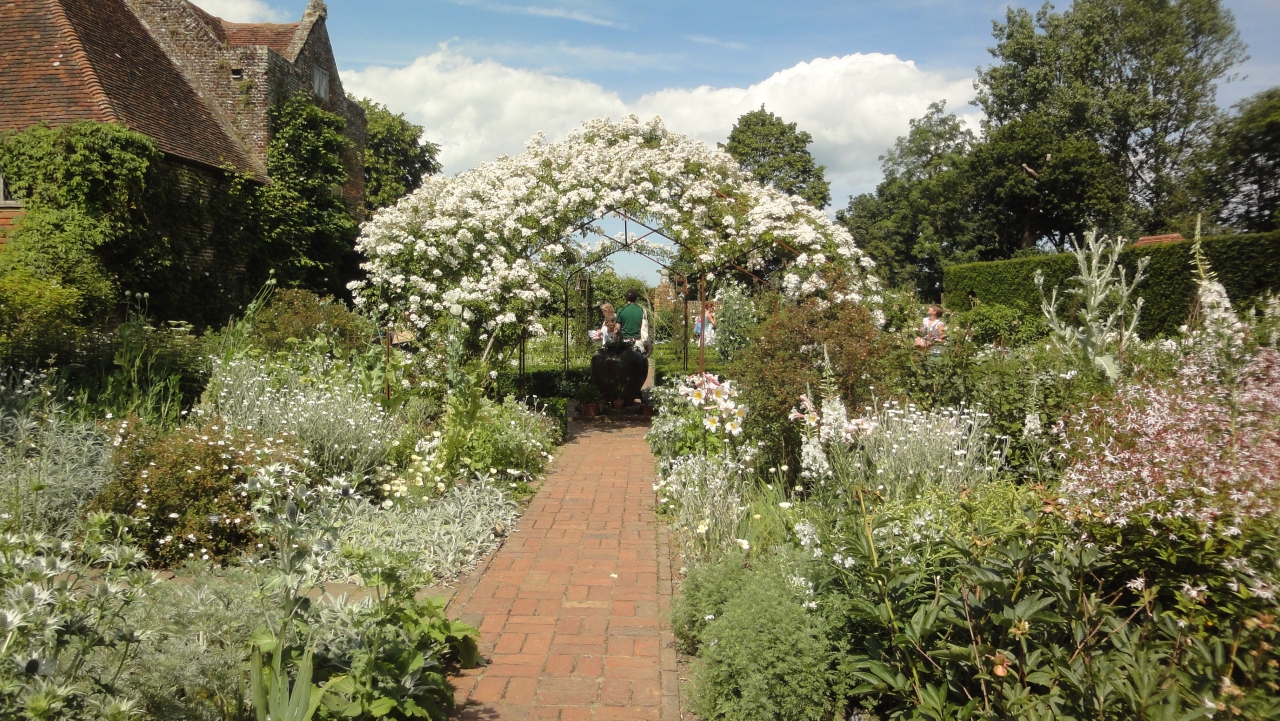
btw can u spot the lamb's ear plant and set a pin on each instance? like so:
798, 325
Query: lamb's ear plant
1107, 319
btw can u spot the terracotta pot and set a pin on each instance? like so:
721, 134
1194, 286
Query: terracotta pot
648, 411
618, 403
590, 410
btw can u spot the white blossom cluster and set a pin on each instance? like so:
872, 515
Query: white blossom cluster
472, 245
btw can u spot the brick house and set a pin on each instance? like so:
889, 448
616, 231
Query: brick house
200, 87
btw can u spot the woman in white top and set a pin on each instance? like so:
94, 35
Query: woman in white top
609, 329
933, 332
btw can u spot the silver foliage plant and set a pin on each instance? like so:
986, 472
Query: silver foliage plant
1108, 316
708, 499
447, 536
908, 448
340, 428
50, 467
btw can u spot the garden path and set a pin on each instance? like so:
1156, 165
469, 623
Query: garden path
572, 609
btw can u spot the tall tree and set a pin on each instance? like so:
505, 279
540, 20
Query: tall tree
916, 220
777, 154
396, 158
1031, 187
1138, 77
1241, 173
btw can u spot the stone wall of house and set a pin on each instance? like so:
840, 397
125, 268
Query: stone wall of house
241, 83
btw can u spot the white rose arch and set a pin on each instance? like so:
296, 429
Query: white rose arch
479, 245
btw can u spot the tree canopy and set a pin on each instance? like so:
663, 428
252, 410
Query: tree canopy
1094, 118
1137, 77
396, 158
1241, 168
775, 153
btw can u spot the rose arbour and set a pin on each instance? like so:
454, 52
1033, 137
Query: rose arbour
474, 246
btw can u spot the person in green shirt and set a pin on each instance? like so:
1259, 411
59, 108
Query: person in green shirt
631, 317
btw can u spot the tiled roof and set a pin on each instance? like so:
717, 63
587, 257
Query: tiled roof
46, 74
71, 60
277, 36
1169, 238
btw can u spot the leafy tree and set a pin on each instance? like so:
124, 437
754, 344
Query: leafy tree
1241, 171
912, 224
1030, 186
777, 154
1138, 77
395, 157
310, 233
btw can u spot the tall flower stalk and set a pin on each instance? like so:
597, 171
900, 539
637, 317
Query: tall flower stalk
1108, 315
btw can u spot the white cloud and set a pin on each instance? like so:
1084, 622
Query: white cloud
542, 11
715, 42
855, 106
478, 110
242, 11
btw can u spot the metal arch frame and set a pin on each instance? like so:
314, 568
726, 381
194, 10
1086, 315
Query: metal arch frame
627, 245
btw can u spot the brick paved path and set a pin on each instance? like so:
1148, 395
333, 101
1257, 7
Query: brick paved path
572, 608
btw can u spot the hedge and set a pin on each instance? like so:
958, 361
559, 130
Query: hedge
1247, 265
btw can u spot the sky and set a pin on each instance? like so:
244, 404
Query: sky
483, 76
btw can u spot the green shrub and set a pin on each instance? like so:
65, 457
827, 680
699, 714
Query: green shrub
989, 323
703, 596
512, 440
39, 318
784, 360
1247, 265
1036, 620
766, 657
182, 489
299, 315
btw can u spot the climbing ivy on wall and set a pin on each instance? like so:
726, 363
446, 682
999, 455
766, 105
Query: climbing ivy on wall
108, 214
311, 234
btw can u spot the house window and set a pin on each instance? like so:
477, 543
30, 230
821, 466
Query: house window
320, 83
237, 73
6, 198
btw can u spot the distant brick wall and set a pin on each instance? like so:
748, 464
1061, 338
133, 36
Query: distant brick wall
8, 219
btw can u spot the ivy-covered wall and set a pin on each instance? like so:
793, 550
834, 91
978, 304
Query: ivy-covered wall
106, 213
1247, 265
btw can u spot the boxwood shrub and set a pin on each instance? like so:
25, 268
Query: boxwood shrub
1247, 265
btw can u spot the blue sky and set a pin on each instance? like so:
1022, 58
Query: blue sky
482, 76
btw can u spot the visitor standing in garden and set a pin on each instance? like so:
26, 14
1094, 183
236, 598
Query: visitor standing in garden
631, 318
933, 332
608, 331
705, 327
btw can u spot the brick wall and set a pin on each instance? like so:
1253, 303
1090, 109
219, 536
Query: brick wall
8, 219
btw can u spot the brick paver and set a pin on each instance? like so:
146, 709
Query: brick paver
572, 608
